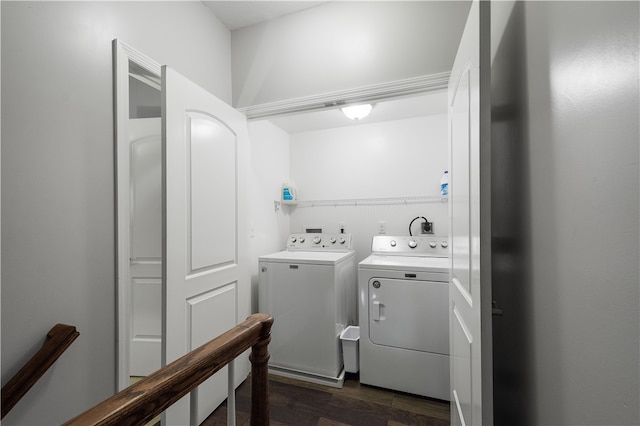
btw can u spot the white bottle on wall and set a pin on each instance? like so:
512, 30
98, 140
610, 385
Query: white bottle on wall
444, 183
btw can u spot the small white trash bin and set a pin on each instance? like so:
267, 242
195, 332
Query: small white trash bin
350, 337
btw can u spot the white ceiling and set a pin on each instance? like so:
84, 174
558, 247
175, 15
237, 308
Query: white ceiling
240, 14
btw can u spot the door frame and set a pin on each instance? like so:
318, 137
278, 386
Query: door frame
123, 55
486, 232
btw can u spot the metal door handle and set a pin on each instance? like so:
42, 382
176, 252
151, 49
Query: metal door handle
495, 309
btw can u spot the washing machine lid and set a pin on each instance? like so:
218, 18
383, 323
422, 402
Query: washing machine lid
307, 257
406, 263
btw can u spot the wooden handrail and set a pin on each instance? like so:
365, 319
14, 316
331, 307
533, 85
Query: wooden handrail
144, 400
58, 339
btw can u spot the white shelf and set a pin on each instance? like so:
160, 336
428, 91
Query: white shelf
354, 202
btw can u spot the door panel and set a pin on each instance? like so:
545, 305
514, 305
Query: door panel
146, 325
146, 189
213, 161
469, 295
211, 314
206, 282
461, 343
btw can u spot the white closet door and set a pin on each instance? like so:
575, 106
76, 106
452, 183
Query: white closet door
145, 246
469, 290
206, 278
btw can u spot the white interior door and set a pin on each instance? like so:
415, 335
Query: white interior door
139, 213
145, 245
469, 290
206, 279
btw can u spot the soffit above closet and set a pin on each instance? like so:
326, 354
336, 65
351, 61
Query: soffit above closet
240, 14
430, 103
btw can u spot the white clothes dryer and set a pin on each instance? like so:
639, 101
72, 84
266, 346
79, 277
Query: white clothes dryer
310, 290
403, 291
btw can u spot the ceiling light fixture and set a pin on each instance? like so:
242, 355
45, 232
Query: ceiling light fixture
357, 112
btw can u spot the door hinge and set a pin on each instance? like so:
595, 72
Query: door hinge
495, 309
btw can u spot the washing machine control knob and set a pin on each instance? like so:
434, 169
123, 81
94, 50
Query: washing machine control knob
301, 239
413, 244
293, 239
433, 244
333, 240
342, 240
444, 244
393, 243
316, 240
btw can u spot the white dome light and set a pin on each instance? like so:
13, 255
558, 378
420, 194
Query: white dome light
356, 112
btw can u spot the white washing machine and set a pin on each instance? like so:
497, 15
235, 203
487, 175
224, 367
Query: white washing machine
403, 291
310, 290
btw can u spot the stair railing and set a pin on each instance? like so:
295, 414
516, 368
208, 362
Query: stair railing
58, 339
146, 399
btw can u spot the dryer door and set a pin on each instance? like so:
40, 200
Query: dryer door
409, 314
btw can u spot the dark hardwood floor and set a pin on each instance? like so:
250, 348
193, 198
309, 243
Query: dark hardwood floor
293, 402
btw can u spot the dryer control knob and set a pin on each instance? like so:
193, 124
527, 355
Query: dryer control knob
413, 244
333, 240
301, 239
433, 244
444, 244
342, 240
393, 243
316, 240
293, 239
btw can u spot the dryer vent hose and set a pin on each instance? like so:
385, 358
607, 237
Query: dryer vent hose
416, 218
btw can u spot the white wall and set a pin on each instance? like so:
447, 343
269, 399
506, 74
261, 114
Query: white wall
342, 45
269, 227
58, 262
565, 126
400, 158
584, 158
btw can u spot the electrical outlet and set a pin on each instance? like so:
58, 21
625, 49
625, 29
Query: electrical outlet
427, 228
382, 227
